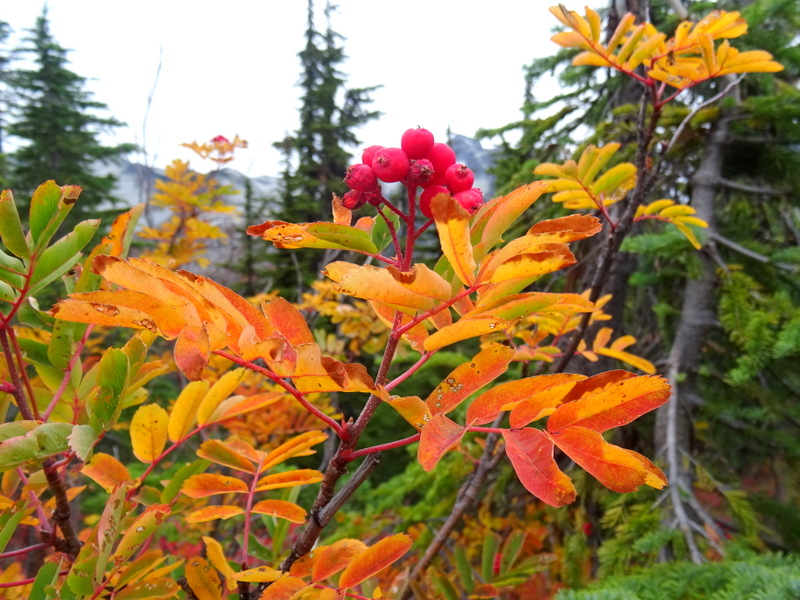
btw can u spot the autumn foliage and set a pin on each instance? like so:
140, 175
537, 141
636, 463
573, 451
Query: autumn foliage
76, 389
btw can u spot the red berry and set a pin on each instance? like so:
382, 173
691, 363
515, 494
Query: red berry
471, 199
442, 156
354, 199
360, 177
369, 154
390, 164
420, 171
459, 177
417, 142
427, 196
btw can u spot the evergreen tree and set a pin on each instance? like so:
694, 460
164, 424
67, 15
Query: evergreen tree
5, 60
316, 155
56, 122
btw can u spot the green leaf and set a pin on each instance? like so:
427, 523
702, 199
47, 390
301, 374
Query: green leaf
511, 550
108, 530
9, 521
41, 441
82, 440
11, 270
50, 205
63, 255
343, 236
446, 588
464, 568
381, 236
173, 488
46, 577
490, 546
60, 349
112, 371
11, 227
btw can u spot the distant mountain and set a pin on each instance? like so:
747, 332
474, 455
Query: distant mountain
136, 183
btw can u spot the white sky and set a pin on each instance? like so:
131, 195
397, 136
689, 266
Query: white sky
232, 67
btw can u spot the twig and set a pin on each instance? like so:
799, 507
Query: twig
466, 498
698, 108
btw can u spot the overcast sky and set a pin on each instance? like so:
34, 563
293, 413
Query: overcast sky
232, 67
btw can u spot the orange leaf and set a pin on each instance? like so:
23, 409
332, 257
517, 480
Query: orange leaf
494, 218
506, 396
452, 222
284, 588
616, 468
566, 229
542, 404
289, 479
375, 283
297, 446
106, 471
621, 398
531, 454
149, 432
531, 265
465, 379
436, 439
192, 352
329, 560
286, 319
374, 559
281, 509
226, 455
121, 308
212, 513
210, 484
412, 409
203, 579
239, 405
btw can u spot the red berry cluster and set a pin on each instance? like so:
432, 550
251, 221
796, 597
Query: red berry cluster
418, 162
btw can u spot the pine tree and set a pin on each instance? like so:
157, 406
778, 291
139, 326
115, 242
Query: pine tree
56, 121
5, 60
316, 155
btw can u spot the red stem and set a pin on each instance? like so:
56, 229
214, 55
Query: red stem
381, 447
337, 428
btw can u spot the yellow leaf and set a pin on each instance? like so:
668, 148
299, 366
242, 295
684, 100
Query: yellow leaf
216, 555
149, 432
183, 415
452, 223
222, 388
259, 575
464, 329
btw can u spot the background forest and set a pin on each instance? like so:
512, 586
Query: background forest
695, 277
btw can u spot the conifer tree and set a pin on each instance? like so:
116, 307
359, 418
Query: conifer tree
55, 121
317, 154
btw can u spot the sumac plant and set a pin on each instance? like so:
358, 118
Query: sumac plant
75, 388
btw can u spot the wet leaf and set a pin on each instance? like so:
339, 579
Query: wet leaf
531, 454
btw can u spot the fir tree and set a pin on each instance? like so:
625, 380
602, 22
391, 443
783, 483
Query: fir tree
316, 155
56, 121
